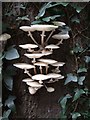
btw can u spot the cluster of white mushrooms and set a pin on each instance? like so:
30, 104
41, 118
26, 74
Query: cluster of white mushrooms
40, 79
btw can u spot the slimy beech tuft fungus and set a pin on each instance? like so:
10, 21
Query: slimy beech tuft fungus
39, 78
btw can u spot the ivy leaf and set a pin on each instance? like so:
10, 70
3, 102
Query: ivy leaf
11, 54
70, 77
75, 19
64, 101
8, 82
82, 69
10, 103
78, 7
23, 18
64, 3
47, 19
75, 115
6, 115
81, 79
43, 10
78, 93
87, 59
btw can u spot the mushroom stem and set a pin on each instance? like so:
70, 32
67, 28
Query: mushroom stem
41, 69
42, 37
35, 72
49, 36
34, 60
47, 69
30, 34
60, 42
27, 72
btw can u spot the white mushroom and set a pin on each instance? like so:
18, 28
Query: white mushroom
5, 37
53, 75
40, 77
41, 64
32, 90
50, 89
57, 64
48, 61
43, 28
27, 28
34, 84
34, 56
45, 52
52, 46
61, 36
28, 46
58, 23
27, 80
24, 66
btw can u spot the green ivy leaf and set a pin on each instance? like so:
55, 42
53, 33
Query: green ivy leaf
75, 115
64, 101
87, 59
8, 82
47, 19
78, 7
78, 93
10, 103
11, 54
82, 69
70, 77
80, 80
6, 114
23, 18
43, 10
75, 19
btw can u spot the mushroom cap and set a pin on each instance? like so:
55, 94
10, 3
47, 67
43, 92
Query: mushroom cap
23, 65
40, 77
58, 64
58, 23
40, 64
5, 37
61, 77
34, 55
27, 28
27, 80
52, 46
34, 84
50, 89
26, 46
43, 27
61, 36
46, 52
48, 61
32, 90
53, 75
